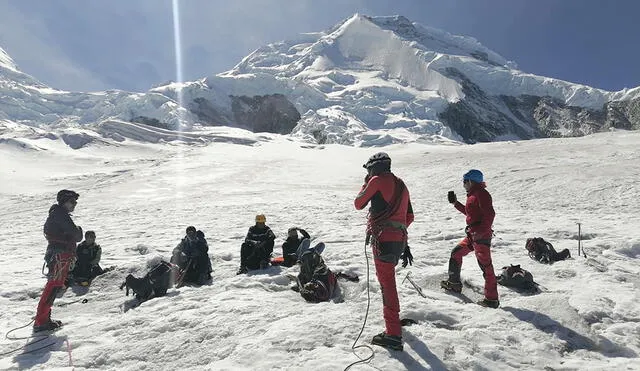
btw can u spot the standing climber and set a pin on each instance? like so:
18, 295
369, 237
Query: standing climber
389, 216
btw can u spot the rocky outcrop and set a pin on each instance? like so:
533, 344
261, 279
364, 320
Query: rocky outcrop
207, 113
479, 117
265, 113
272, 113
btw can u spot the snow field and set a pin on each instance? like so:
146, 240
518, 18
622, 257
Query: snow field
139, 198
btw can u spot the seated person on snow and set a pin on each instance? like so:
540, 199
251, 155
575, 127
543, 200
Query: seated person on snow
154, 284
191, 256
200, 235
255, 252
316, 282
290, 246
88, 255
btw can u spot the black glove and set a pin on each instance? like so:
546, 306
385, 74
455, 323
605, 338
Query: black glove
452, 197
406, 257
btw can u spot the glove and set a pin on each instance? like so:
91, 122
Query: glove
406, 257
452, 197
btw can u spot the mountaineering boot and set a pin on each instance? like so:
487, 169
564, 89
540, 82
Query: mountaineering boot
451, 286
264, 264
489, 303
242, 270
388, 341
50, 325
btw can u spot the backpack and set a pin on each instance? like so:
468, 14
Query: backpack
543, 251
155, 283
540, 250
517, 278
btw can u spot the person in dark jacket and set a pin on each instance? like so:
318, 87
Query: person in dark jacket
62, 235
88, 254
480, 214
256, 250
390, 214
192, 256
291, 244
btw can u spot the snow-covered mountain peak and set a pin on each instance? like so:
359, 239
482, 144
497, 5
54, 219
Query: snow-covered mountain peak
364, 81
439, 41
6, 61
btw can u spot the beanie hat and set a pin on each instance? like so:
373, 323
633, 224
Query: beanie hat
474, 176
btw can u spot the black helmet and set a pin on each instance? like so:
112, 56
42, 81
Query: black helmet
66, 195
378, 158
191, 229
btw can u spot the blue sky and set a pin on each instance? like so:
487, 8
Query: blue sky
128, 44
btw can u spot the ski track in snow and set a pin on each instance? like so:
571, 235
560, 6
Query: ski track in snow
139, 198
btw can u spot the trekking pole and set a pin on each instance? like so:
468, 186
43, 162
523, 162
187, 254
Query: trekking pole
183, 274
579, 238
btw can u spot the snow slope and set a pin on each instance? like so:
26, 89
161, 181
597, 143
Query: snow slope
139, 197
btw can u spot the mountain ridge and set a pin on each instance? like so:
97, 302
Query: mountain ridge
364, 81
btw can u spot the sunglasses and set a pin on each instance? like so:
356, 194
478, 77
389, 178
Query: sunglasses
73, 202
465, 181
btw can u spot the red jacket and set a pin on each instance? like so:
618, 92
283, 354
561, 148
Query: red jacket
380, 191
479, 212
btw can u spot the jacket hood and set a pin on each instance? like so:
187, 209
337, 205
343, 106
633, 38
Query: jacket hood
57, 208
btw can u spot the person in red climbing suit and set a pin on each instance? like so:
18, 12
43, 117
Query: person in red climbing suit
62, 235
480, 215
389, 216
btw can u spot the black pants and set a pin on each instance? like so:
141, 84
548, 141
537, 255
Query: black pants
86, 272
199, 269
562, 255
252, 254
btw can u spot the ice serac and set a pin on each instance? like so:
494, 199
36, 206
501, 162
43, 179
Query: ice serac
27, 101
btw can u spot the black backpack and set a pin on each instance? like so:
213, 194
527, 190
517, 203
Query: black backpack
155, 283
543, 251
517, 278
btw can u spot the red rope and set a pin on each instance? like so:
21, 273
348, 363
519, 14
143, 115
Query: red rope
69, 351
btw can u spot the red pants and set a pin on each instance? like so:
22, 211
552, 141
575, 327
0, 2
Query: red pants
58, 270
386, 273
483, 255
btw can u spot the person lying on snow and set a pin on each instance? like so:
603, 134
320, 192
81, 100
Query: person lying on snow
154, 284
88, 254
316, 282
256, 250
192, 257
290, 246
